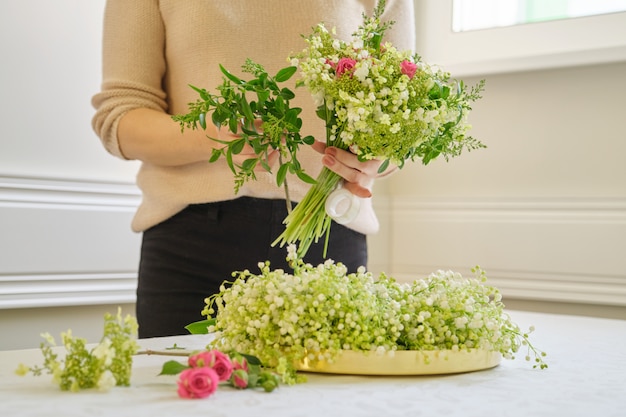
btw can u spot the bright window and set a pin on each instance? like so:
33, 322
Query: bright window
482, 14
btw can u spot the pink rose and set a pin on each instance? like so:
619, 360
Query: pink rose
214, 359
239, 362
240, 379
345, 66
222, 366
197, 382
408, 68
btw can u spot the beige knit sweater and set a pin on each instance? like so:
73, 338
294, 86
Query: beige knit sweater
153, 50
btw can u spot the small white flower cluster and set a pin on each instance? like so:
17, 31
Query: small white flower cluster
319, 310
106, 365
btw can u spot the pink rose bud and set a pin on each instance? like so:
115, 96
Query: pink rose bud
345, 66
206, 358
197, 382
239, 379
408, 68
239, 362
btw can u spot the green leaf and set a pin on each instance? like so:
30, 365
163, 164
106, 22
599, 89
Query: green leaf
279, 104
435, 92
204, 95
375, 40
229, 161
265, 165
287, 94
445, 93
233, 125
383, 166
196, 89
263, 79
309, 140
200, 327
295, 166
237, 145
285, 74
282, 174
249, 164
252, 360
305, 177
257, 146
431, 155
230, 76
202, 120
173, 368
215, 155
217, 119
291, 115
245, 108
249, 132
322, 112
263, 95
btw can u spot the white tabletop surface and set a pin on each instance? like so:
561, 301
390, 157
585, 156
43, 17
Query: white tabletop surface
586, 377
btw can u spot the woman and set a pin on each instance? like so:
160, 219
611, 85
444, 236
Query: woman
196, 230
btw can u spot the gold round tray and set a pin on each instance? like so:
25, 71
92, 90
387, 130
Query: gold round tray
405, 362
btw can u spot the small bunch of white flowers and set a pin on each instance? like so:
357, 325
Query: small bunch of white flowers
319, 310
106, 365
314, 313
447, 311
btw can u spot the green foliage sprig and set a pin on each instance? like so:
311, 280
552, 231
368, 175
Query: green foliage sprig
237, 106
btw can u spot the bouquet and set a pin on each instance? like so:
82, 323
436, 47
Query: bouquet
318, 311
377, 101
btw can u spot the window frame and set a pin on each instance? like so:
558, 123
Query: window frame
560, 43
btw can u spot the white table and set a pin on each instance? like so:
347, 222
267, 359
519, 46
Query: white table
586, 377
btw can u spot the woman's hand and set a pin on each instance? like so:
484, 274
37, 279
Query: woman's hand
359, 176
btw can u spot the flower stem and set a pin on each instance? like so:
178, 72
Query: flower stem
161, 353
308, 221
286, 187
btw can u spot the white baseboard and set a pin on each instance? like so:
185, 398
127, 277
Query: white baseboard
66, 242
69, 243
62, 290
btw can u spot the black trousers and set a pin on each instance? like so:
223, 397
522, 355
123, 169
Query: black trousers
187, 257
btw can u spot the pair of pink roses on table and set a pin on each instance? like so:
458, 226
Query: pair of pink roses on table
208, 369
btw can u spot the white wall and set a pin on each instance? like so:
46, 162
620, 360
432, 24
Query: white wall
67, 254
51, 68
543, 208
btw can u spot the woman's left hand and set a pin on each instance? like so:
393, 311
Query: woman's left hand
359, 176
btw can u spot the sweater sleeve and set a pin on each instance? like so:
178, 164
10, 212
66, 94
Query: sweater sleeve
133, 66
